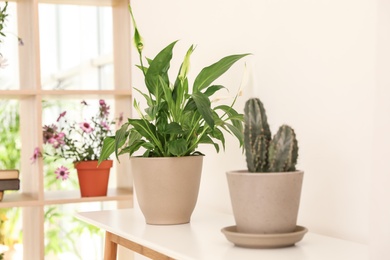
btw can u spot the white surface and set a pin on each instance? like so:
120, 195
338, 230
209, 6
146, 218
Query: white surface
313, 65
202, 239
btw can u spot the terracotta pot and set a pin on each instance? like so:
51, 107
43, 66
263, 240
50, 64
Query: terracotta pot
93, 179
265, 203
167, 187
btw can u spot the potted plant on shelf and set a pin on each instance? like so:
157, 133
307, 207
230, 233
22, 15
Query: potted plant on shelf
178, 118
265, 198
81, 142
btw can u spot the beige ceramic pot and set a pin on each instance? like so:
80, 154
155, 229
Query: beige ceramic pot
265, 203
167, 187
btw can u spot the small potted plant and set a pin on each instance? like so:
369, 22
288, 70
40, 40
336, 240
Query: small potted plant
265, 197
81, 143
178, 118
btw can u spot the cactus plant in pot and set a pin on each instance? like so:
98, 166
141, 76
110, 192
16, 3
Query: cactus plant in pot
265, 198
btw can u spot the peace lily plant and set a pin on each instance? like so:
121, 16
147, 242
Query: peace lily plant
178, 116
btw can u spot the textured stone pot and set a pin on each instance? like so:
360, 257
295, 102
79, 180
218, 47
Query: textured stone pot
265, 203
167, 187
93, 178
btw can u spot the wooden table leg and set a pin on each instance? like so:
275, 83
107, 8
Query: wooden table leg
110, 247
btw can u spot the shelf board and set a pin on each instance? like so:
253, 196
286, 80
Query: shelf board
25, 93
18, 199
65, 197
82, 2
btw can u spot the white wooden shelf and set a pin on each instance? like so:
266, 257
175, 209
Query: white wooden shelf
65, 197
18, 199
23, 93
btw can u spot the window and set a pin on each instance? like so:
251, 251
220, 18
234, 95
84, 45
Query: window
62, 62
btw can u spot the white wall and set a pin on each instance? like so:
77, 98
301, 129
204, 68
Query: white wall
380, 195
314, 67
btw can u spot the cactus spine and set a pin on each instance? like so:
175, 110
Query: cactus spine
263, 153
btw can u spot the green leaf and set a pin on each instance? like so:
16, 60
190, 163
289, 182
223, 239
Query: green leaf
168, 95
236, 118
237, 132
148, 130
217, 134
151, 111
108, 148
203, 105
214, 71
149, 101
207, 140
212, 89
120, 138
159, 68
177, 147
174, 128
134, 137
144, 128
132, 148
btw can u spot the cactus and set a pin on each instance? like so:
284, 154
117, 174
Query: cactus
263, 153
257, 135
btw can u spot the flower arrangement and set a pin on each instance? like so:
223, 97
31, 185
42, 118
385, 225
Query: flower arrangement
76, 141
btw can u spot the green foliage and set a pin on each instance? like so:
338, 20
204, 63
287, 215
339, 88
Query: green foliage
10, 147
178, 117
77, 141
263, 153
9, 135
63, 230
3, 16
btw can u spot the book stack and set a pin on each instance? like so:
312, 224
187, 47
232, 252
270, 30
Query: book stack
9, 180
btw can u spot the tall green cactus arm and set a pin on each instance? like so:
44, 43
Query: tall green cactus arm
283, 150
257, 135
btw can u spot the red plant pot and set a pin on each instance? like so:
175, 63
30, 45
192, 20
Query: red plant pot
93, 178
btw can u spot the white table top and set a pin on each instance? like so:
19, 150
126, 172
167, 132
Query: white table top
202, 239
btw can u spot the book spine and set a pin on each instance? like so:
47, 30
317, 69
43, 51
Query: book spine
10, 184
9, 174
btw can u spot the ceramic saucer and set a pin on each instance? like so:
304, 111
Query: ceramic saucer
264, 240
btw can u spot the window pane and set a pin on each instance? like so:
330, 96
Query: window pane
76, 47
9, 75
10, 218
10, 143
67, 238
11, 236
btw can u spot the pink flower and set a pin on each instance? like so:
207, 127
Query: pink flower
62, 172
57, 140
86, 127
37, 153
48, 132
61, 115
105, 126
104, 108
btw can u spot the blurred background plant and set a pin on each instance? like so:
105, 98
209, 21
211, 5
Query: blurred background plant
58, 239
10, 146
